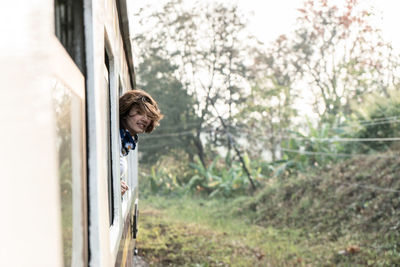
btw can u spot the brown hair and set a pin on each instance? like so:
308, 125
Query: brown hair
144, 102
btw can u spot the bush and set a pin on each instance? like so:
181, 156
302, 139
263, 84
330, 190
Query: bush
220, 180
301, 151
167, 176
378, 117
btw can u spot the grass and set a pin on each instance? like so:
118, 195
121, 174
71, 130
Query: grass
319, 218
195, 232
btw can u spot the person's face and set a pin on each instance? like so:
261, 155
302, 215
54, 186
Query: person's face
136, 121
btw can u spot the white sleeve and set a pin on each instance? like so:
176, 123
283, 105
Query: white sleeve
123, 163
123, 167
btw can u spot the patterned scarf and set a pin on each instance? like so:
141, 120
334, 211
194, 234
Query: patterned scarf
128, 142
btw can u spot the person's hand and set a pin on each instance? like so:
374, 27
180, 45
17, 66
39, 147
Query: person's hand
124, 187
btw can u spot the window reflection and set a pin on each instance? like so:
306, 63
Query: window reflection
70, 159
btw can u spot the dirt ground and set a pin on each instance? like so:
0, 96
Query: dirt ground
163, 242
139, 262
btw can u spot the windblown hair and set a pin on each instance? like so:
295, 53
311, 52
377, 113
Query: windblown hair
146, 105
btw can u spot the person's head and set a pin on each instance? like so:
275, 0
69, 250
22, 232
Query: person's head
138, 112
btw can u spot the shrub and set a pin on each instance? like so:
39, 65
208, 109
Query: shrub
377, 117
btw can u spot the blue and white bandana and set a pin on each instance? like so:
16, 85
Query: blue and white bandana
127, 141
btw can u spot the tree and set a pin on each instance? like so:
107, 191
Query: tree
269, 109
340, 55
335, 56
177, 128
204, 43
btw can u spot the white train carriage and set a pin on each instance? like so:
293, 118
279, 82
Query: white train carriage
64, 64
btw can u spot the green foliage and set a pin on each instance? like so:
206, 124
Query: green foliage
167, 177
203, 176
163, 181
377, 117
156, 77
218, 180
301, 151
172, 177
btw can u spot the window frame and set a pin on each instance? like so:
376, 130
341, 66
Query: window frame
67, 73
121, 204
131, 162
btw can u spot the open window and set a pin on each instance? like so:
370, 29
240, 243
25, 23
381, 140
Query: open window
113, 89
124, 176
109, 137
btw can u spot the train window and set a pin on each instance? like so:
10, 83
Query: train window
71, 158
126, 179
112, 132
131, 178
69, 29
110, 180
116, 202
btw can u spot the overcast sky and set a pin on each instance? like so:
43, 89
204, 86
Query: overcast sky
270, 18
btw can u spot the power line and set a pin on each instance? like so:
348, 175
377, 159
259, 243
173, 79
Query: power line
379, 121
187, 124
317, 153
150, 147
173, 134
206, 123
336, 139
167, 135
369, 121
371, 124
385, 139
331, 139
312, 153
387, 119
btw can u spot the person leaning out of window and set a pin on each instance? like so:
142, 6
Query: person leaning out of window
138, 113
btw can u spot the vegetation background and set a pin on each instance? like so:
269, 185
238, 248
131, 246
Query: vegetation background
238, 174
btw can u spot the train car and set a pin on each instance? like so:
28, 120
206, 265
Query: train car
64, 64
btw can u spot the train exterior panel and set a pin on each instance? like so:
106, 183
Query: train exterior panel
64, 65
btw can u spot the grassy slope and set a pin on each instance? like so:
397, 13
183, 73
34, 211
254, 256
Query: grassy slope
322, 219
194, 232
348, 201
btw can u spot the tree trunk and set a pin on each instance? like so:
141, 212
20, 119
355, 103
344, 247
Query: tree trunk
200, 150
